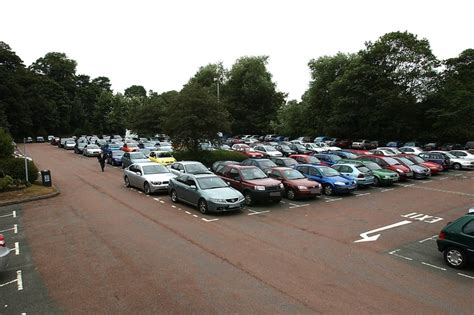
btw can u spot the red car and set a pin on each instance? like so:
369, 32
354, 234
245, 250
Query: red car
245, 149
389, 164
296, 184
130, 147
307, 159
435, 168
253, 183
358, 152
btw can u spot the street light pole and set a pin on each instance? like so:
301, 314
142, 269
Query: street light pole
218, 95
26, 162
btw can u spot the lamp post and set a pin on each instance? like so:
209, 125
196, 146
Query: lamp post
26, 162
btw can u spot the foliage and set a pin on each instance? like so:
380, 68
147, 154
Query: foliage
16, 169
135, 91
209, 157
5, 182
6, 146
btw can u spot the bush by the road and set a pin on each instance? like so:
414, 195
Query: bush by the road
15, 168
6, 146
5, 182
209, 157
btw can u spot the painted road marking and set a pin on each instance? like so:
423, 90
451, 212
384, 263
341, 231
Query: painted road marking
466, 276
14, 229
257, 212
428, 239
195, 216
433, 266
388, 189
366, 238
18, 280
173, 206
156, 199
282, 201
161, 201
394, 253
295, 205
17, 248
426, 181
331, 199
140, 192
446, 191
444, 178
209, 220
406, 185
187, 212
360, 195
422, 217
13, 214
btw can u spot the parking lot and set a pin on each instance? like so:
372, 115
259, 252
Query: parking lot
102, 247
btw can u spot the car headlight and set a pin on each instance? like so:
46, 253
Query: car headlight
259, 187
282, 186
339, 183
302, 188
400, 171
156, 183
217, 200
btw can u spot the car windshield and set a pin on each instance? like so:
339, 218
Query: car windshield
391, 161
449, 155
266, 164
313, 160
292, 174
114, 146
164, 155
70, 142
92, 146
137, 155
117, 153
328, 172
350, 155
372, 165
196, 168
290, 162
300, 147
406, 161
334, 157
285, 147
211, 182
363, 169
270, 149
417, 159
154, 169
132, 145
252, 173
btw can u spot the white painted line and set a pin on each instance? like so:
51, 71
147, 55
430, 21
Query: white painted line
156, 199
180, 209
282, 201
457, 174
388, 189
209, 220
140, 192
259, 212
251, 210
173, 206
161, 201
433, 266
331, 200
444, 178
406, 185
148, 195
7, 283
426, 181
463, 275
360, 195
12, 229
195, 216
446, 191
17, 248
15, 229
394, 253
14, 214
294, 205
20, 280
187, 212
428, 239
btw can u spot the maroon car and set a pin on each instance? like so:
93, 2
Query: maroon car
253, 183
389, 164
296, 184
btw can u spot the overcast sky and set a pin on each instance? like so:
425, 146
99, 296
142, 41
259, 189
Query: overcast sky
161, 44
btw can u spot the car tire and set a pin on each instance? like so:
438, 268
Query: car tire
290, 194
376, 182
457, 166
146, 188
127, 181
202, 205
248, 198
328, 190
174, 196
455, 257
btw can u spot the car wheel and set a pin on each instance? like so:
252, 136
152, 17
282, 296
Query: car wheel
290, 194
146, 188
328, 190
248, 198
203, 206
457, 166
174, 196
127, 182
455, 257
376, 182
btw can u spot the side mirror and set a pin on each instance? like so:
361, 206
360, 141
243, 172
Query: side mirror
228, 184
193, 187
138, 173
181, 171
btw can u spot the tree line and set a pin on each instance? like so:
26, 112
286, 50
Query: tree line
393, 89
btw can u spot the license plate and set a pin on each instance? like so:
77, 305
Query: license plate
233, 206
274, 194
313, 191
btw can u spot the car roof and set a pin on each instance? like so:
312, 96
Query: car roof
200, 175
189, 162
311, 165
282, 168
146, 163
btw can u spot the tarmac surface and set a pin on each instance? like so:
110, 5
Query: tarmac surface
101, 247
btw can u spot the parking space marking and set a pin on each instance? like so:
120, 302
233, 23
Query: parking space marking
173, 206
209, 220
332, 199
426, 181
466, 276
282, 201
187, 212
360, 195
156, 199
17, 248
140, 192
14, 229
253, 212
443, 178
13, 214
406, 185
394, 253
18, 280
388, 189
433, 266
161, 201
295, 205
446, 191
428, 239
195, 216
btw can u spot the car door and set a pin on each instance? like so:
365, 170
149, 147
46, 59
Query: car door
126, 159
132, 176
234, 178
180, 186
315, 174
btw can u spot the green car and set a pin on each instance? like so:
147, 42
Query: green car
382, 176
456, 241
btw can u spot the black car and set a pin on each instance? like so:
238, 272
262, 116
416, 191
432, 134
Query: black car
299, 149
264, 164
285, 149
220, 164
284, 161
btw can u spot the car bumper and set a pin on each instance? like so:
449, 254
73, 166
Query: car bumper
467, 166
365, 181
222, 207
263, 196
4, 253
421, 175
344, 189
308, 193
157, 188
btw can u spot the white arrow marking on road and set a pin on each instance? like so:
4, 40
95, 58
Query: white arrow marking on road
366, 238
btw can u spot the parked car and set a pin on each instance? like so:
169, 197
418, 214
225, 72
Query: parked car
382, 177
267, 151
327, 158
91, 150
419, 171
462, 154
149, 177
115, 158
324, 147
313, 147
162, 157
383, 152
296, 184
129, 158
456, 241
457, 163
389, 163
394, 144
436, 158
411, 150
55, 141
306, 159
331, 180
189, 167
469, 146
69, 144
451, 146
363, 144
393, 150
285, 149
50, 138
29, 140
40, 139
206, 191
413, 144
79, 148
299, 148
264, 164
362, 174
109, 147
129, 147
431, 146
344, 154
4, 251
253, 183
321, 139
220, 164
284, 161
147, 145
247, 150
341, 143
434, 167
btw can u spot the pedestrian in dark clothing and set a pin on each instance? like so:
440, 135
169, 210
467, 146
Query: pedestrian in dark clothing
102, 159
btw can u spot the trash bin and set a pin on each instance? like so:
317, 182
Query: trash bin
46, 178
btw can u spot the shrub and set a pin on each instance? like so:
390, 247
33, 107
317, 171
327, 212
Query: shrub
6, 146
5, 182
209, 157
16, 169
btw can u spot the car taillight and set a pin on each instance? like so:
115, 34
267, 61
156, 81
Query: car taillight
2, 240
442, 235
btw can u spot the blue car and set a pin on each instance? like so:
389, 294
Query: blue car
345, 154
109, 147
331, 180
329, 159
115, 158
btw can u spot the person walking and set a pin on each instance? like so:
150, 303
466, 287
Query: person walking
102, 159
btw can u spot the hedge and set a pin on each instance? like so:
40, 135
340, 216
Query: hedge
15, 167
209, 157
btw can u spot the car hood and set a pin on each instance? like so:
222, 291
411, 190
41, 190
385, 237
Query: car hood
159, 177
431, 165
264, 182
333, 179
384, 172
222, 193
140, 160
418, 168
400, 167
302, 182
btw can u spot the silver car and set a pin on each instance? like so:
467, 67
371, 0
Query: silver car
149, 177
91, 150
206, 191
4, 251
188, 167
361, 173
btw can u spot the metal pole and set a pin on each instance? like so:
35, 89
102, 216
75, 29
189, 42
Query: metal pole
218, 91
26, 162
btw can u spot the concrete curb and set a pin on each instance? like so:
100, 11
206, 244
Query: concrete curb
35, 198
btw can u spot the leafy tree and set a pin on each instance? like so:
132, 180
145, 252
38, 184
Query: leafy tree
55, 65
6, 147
251, 97
135, 91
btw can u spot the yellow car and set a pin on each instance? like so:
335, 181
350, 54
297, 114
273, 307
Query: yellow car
161, 157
